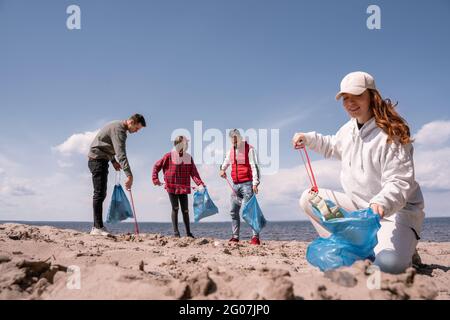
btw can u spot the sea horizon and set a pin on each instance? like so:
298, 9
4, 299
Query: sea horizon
435, 229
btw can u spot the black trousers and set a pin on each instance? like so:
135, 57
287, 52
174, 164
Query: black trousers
99, 170
177, 200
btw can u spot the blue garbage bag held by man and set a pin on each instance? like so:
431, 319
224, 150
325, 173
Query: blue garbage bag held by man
119, 208
252, 214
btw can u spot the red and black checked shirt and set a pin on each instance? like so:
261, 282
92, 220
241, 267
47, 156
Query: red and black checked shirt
177, 172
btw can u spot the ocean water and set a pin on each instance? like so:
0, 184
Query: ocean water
435, 229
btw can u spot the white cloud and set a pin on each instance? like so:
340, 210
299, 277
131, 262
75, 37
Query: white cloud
77, 143
64, 163
6, 164
432, 156
50, 197
433, 168
16, 187
434, 133
20, 190
10, 184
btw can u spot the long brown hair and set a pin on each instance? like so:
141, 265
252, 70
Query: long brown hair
388, 119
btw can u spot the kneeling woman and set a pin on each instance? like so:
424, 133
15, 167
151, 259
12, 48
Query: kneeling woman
178, 168
377, 170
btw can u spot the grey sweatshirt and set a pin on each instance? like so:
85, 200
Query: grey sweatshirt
110, 142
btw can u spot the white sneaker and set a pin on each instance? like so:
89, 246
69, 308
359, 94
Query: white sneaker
99, 232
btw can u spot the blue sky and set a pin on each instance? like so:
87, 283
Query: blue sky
246, 64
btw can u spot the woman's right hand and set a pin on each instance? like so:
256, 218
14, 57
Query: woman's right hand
298, 141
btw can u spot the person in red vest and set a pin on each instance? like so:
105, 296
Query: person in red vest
245, 175
179, 168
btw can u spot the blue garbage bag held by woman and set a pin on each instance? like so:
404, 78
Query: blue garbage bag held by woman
353, 237
203, 205
353, 234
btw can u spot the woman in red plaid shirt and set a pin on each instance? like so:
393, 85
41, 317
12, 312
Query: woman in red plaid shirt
178, 168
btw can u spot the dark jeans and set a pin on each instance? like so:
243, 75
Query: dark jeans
177, 200
99, 170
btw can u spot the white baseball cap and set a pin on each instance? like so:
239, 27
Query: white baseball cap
356, 83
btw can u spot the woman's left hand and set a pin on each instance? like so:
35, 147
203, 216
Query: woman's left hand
376, 208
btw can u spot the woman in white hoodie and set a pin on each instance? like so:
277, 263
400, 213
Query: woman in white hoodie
377, 170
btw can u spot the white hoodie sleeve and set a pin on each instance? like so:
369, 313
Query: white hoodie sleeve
226, 162
397, 178
328, 146
253, 159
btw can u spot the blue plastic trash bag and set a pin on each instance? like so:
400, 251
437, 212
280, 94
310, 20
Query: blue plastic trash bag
120, 208
352, 238
252, 214
203, 205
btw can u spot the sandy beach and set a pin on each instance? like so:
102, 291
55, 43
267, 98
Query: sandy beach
46, 263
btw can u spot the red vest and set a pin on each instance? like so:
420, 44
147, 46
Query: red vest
240, 166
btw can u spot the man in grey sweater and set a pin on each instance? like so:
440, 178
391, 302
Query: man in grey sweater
109, 145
